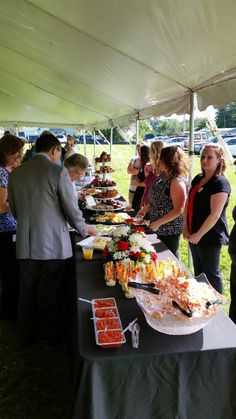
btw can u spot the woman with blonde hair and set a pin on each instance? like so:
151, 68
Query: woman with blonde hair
167, 197
205, 225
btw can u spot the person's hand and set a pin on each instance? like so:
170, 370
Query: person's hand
91, 231
194, 238
141, 213
154, 226
186, 233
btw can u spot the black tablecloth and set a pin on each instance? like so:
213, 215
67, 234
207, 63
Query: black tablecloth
167, 377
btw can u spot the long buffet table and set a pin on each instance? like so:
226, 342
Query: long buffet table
167, 377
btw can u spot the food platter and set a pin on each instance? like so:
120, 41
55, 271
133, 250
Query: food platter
106, 184
109, 218
98, 242
106, 194
106, 199
111, 205
175, 320
105, 229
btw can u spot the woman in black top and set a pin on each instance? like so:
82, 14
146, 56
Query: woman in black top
144, 159
232, 252
205, 225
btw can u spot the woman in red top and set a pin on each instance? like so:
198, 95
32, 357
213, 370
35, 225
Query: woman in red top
205, 225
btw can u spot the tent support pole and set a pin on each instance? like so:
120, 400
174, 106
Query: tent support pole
84, 140
190, 150
137, 134
111, 140
94, 143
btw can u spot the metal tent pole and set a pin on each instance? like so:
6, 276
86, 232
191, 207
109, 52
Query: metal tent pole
111, 140
84, 141
94, 143
190, 150
137, 135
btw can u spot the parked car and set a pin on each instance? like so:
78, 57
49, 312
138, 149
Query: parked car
148, 137
231, 143
197, 137
90, 140
197, 147
61, 138
175, 141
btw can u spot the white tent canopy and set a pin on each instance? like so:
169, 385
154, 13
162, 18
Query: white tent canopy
85, 63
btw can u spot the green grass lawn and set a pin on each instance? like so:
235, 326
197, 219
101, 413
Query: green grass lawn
35, 382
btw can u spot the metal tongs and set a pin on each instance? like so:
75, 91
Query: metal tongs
145, 287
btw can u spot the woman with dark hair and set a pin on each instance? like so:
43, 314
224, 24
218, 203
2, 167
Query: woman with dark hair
205, 225
232, 253
11, 148
152, 173
139, 183
167, 197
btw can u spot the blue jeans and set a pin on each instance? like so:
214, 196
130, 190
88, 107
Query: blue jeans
232, 308
206, 259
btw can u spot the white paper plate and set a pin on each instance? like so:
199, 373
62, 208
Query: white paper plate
88, 242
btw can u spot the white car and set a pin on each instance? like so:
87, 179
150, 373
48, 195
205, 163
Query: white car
175, 141
231, 143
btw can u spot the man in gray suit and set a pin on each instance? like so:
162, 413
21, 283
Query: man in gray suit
41, 198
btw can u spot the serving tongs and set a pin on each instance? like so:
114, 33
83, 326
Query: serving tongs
212, 302
145, 287
190, 313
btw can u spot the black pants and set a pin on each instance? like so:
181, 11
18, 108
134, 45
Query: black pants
9, 277
172, 242
31, 274
206, 259
232, 308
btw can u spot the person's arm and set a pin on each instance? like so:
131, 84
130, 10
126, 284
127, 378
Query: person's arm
186, 232
137, 183
142, 212
70, 207
131, 169
11, 196
178, 196
4, 204
217, 203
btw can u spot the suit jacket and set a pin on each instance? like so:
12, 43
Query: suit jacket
41, 198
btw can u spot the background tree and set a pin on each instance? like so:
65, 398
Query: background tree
200, 123
226, 116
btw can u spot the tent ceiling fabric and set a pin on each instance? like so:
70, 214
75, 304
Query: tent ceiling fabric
86, 62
